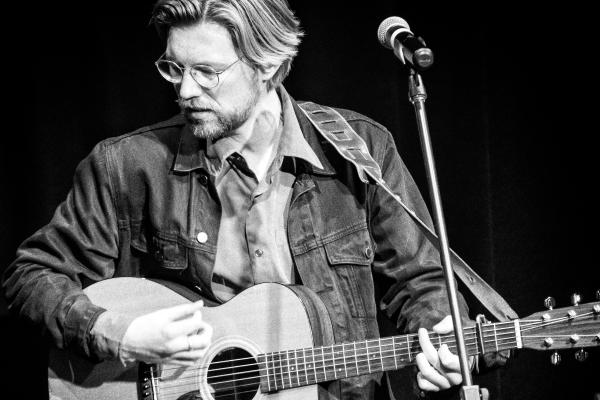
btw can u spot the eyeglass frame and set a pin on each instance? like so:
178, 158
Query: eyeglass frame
182, 69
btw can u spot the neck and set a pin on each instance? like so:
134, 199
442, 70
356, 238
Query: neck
258, 137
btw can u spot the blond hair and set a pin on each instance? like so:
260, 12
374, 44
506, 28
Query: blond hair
265, 32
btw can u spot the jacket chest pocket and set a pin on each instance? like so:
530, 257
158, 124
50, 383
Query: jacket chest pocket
351, 257
169, 253
162, 252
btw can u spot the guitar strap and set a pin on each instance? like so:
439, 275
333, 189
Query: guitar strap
353, 148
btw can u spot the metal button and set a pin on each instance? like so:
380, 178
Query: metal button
203, 179
258, 252
202, 237
368, 252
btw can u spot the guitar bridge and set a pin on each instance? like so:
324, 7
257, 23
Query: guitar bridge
147, 381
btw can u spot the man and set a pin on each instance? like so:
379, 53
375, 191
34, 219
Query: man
239, 189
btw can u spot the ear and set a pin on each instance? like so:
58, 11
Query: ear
266, 73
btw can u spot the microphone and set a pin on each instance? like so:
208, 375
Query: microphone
394, 33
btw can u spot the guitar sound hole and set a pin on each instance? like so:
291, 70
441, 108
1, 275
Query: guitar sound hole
233, 375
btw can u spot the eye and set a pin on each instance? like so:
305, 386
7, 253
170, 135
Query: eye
173, 69
204, 70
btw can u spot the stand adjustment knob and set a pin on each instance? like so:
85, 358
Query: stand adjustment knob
555, 358
581, 355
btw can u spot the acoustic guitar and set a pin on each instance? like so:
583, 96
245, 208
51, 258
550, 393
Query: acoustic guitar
275, 342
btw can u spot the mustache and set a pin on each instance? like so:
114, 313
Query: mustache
193, 104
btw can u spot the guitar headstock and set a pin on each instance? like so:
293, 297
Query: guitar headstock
573, 327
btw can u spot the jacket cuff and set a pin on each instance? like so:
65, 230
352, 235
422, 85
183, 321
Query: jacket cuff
107, 334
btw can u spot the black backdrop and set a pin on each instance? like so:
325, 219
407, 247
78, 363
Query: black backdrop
511, 108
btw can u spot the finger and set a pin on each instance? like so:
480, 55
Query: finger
444, 326
185, 326
431, 374
427, 347
182, 310
424, 384
202, 339
448, 360
455, 378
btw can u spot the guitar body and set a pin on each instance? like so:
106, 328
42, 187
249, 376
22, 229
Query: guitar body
265, 318
275, 342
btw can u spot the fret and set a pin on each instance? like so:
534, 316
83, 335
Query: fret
380, 354
355, 358
394, 349
323, 360
408, 348
313, 366
275, 357
296, 362
344, 358
305, 364
287, 359
439, 340
333, 360
360, 357
388, 361
368, 356
495, 337
265, 369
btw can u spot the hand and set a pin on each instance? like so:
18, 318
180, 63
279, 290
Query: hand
438, 369
176, 335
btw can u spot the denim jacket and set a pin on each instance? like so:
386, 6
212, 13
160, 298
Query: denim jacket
139, 202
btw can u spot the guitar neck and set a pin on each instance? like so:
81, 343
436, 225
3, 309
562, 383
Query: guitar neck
300, 367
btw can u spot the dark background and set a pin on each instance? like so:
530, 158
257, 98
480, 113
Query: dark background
512, 112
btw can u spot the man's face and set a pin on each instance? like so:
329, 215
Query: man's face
213, 113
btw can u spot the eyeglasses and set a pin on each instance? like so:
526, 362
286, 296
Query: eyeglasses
204, 75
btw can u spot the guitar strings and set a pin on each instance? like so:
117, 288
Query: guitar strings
529, 324
289, 373
256, 380
470, 331
339, 355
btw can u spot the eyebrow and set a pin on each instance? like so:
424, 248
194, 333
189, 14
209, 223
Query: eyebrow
215, 67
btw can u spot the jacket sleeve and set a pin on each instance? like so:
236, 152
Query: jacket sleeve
415, 293
78, 247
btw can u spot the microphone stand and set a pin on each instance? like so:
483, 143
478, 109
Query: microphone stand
417, 96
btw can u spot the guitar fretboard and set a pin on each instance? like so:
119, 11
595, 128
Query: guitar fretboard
300, 367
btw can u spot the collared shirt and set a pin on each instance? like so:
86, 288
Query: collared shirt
252, 244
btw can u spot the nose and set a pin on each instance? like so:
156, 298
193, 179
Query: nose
188, 88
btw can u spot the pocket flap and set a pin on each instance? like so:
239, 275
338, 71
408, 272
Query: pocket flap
352, 248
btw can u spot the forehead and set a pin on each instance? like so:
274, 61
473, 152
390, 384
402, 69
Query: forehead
202, 42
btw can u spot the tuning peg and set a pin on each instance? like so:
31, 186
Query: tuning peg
574, 338
555, 358
575, 299
598, 294
581, 355
549, 303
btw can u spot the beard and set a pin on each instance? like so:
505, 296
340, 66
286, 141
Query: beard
211, 122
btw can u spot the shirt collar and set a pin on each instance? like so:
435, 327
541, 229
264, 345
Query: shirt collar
298, 140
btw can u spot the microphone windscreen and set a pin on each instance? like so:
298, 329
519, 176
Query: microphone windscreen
384, 29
